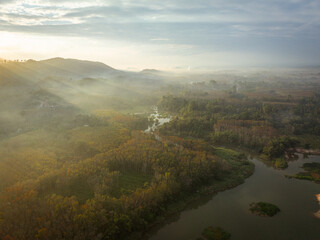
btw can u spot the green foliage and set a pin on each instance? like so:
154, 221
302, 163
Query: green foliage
286, 116
215, 233
310, 141
128, 182
94, 176
171, 103
280, 163
78, 187
116, 181
226, 153
304, 176
312, 172
225, 137
197, 127
277, 146
248, 133
264, 209
312, 167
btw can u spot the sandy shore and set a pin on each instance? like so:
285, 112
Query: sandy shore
317, 214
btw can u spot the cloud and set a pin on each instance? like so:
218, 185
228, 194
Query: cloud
250, 15
160, 39
189, 27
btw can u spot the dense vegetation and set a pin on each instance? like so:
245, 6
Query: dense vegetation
264, 209
107, 179
277, 150
311, 173
75, 162
214, 233
267, 128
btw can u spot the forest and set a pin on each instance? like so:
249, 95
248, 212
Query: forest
78, 163
106, 180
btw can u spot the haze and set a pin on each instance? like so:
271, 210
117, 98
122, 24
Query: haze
159, 120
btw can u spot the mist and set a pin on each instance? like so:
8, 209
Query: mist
148, 120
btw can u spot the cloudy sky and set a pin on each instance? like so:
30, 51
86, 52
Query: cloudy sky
164, 34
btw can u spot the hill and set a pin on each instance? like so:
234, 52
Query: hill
59, 67
33, 93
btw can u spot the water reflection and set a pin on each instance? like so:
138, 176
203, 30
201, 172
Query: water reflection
230, 209
157, 120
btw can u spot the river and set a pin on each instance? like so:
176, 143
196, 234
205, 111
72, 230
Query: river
230, 209
158, 120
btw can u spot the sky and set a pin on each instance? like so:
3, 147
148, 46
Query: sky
164, 34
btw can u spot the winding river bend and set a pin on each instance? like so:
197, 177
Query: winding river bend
158, 120
229, 209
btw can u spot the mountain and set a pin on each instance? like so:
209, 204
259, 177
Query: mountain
151, 71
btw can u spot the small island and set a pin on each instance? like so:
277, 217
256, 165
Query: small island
312, 172
214, 233
280, 163
264, 209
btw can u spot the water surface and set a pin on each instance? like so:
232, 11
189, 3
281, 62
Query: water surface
230, 209
158, 120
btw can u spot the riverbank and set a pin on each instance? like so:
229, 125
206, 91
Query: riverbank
317, 214
241, 169
305, 151
311, 172
229, 209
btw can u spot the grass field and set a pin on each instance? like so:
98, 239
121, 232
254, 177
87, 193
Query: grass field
128, 182
227, 153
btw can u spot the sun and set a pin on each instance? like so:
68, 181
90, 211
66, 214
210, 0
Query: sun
26, 45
